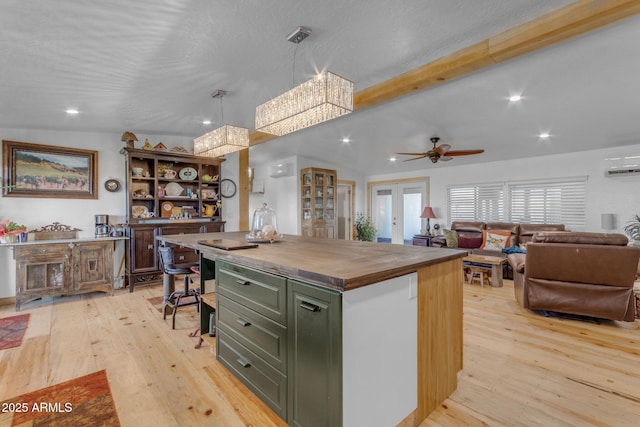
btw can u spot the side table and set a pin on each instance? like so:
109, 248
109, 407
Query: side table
422, 240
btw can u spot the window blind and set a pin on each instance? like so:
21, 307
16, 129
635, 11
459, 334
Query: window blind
477, 202
529, 202
549, 202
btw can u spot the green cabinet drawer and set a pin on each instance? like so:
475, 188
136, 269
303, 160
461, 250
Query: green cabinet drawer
262, 292
263, 336
264, 380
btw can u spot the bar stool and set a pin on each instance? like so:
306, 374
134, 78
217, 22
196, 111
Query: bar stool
170, 268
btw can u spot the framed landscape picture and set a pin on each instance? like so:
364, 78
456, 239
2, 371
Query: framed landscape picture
36, 170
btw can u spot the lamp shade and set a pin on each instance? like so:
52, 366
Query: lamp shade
428, 213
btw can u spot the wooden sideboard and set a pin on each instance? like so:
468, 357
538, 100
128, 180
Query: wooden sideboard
47, 268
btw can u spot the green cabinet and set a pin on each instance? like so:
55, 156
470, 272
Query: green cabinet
283, 339
315, 352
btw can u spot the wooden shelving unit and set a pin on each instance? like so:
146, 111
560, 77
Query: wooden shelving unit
319, 202
161, 203
183, 188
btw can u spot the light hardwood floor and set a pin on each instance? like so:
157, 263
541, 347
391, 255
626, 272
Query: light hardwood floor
520, 369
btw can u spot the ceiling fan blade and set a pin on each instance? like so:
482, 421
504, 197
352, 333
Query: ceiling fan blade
445, 158
442, 149
415, 158
414, 154
463, 152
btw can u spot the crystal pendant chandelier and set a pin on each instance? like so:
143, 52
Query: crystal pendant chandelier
325, 97
224, 140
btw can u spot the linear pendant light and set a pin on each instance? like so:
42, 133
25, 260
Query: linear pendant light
224, 140
325, 97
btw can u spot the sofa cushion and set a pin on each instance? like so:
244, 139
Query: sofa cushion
495, 239
469, 242
528, 230
581, 238
451, 237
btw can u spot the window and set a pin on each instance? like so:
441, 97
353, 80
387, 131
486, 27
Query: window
545, 202
532, 202
478, 202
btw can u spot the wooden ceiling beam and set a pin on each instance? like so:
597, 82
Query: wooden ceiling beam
576, 19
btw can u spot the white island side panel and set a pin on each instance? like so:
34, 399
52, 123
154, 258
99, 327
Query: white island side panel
379, 344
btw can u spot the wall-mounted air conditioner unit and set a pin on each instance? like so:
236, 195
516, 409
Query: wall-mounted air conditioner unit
280, 170
623, 171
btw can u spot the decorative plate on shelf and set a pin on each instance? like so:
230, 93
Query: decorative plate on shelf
166, 208
188, 174
173, 189
139, 211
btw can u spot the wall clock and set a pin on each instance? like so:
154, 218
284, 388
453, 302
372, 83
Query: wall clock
112, 185
227, 188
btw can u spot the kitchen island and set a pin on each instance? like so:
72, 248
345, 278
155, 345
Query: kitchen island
352, 333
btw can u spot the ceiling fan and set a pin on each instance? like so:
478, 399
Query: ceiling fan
441, 152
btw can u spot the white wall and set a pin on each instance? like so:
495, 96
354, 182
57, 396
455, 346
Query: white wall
620, 195
281, 194
38, 212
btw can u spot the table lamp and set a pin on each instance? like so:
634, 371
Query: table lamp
428, 213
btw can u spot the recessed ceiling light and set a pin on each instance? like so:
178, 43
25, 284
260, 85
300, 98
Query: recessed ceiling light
72, 111
515, 98
206, 122
392, 159
346, 140
544, 135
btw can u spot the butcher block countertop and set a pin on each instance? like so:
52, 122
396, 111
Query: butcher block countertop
337, 264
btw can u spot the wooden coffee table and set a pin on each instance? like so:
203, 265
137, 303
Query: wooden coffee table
495, 262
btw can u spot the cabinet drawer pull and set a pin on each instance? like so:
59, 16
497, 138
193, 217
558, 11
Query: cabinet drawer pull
150, 247
243, 322
244, 362
309, 306
243, 282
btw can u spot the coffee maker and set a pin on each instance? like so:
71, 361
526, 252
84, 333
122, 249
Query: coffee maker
103, 229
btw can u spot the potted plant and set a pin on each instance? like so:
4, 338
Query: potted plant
633, 230
365, 230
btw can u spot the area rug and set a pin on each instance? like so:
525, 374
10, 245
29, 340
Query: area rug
83, 401
156, 302
12, 330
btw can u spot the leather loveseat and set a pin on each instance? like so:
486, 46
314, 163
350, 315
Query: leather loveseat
587, 274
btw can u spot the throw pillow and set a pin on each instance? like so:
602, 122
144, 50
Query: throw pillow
495, 240
451, 237
469, 242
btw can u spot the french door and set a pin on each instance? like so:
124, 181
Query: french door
396, 209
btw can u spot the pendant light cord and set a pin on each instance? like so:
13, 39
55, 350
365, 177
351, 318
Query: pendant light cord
293, 74
221, 113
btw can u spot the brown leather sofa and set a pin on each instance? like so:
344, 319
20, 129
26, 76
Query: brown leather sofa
472, 231
586, 274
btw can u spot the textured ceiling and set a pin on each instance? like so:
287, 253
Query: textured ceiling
150, 67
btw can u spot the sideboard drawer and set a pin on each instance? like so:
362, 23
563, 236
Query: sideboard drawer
263, 336
262, 292
264, 380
